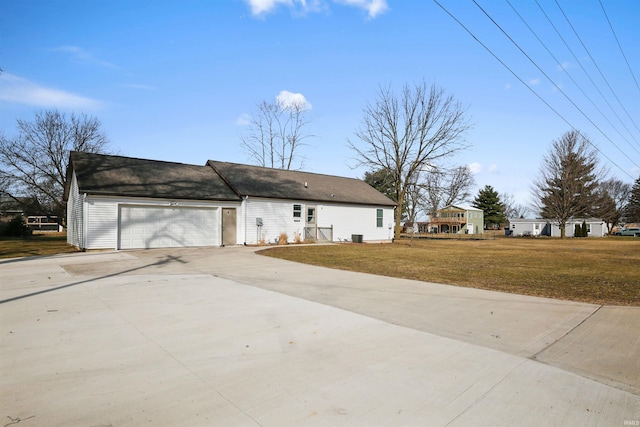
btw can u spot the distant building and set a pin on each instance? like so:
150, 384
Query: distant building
546, 227
457, 219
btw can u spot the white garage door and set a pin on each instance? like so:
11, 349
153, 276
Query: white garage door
167, 227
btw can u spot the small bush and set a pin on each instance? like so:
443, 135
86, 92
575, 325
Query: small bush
297, 239
283, 239
15, 228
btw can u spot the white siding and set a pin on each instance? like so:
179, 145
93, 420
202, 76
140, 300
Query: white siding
75, 226
277, 217
357, 219
102, 223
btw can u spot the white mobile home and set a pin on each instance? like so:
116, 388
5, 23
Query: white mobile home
125, 203
545, 227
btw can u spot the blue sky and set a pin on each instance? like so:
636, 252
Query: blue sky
173, 80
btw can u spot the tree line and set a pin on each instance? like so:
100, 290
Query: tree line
407, 141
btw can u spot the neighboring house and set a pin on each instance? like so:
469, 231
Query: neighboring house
125, 203
457, 219
545, 227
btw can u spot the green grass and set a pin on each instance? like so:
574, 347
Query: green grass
38, 244
601, 271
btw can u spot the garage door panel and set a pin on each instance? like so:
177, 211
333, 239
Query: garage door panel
162, 227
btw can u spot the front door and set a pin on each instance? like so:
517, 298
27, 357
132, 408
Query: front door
310, 224
228, 226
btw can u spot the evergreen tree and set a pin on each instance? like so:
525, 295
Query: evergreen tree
488, 200
577, 230
568, 180
632, 210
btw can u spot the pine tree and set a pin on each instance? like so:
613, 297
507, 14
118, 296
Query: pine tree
632, 210
568, 180
488, 200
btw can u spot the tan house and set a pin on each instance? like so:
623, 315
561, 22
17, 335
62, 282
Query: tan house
457, 219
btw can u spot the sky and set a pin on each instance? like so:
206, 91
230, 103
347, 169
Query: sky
178, 80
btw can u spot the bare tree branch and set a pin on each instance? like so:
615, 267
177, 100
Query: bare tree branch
34, 162
408, 133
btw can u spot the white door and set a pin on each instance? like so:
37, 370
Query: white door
166, 227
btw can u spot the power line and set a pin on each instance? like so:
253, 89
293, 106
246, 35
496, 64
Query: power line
619, 46
552, 82
570, 77
597, 67
526, 85
583, 69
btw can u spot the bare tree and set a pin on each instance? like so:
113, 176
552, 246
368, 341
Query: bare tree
511, 208
408, 133
566, 187
612, 197
276, 134
34, 163
442, 187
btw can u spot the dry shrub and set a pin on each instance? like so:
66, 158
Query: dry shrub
283, 239
297, 239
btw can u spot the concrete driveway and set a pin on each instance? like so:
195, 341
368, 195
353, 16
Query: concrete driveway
227, 337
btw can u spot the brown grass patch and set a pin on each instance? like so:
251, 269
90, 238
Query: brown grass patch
38, 244
601, 271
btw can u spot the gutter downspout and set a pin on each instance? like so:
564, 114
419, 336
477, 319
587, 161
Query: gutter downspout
244, 217
84, 222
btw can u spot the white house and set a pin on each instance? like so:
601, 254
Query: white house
545, 227
116, 202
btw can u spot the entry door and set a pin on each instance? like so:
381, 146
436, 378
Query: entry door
310, 224
228, 226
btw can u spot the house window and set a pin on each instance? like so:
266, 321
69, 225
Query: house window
297, 211
588, 228
378, 217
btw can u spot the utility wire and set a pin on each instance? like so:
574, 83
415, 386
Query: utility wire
597, 67
552, 82
570, 77
527, 86
584, 69
619, 46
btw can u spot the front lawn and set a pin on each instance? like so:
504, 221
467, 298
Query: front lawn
595, 270
38, 244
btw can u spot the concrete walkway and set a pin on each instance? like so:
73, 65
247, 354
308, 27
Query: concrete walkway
227, 337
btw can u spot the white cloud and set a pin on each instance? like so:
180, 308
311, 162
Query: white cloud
475, 167
263, 7
17, 90
243, 120
507, 86
286, 99
534, 82
373, 7
492, 168
81, 55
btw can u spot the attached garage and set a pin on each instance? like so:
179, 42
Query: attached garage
145, 227
127, 203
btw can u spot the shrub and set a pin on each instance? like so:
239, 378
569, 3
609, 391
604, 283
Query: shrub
283, 239
297, 239
15, 228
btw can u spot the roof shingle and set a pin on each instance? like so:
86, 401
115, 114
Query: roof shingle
126, 176
295, 185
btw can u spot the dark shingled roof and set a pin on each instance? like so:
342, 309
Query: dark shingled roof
285, 184
125, 176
